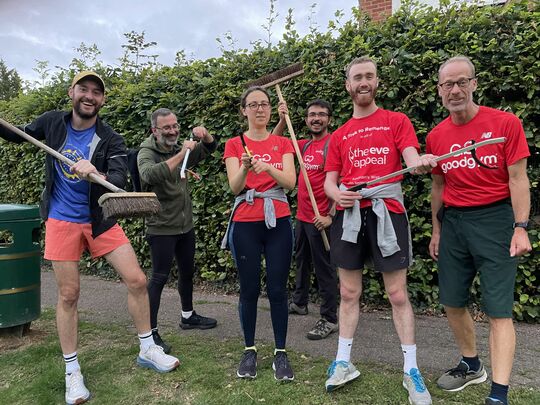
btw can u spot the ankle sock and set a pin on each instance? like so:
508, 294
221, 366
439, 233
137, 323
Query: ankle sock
72, 362
251, 348
344, 349
500, 392
409, 357
187, 314
279, 350
472, 362
146, 339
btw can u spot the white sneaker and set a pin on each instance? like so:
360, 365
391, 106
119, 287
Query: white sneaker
155, 358
76, 392
415, 386
339, 374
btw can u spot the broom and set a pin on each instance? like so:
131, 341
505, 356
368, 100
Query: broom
119, 203
471, 147
274, 79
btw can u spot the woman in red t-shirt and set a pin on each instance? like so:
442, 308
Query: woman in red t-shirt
260, 166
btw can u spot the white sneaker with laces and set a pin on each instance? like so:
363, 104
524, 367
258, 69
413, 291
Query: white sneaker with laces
415, 386
155, 358
339, 374
76, 392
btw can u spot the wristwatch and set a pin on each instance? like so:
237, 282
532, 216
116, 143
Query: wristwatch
521, 224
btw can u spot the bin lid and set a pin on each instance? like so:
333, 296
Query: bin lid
9, 212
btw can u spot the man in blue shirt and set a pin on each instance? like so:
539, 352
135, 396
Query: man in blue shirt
74, 220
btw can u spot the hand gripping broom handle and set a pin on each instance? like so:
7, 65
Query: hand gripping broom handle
302, 168
474, 145
185, 161
92, 176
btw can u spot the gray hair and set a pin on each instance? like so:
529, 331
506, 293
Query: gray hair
357, 61
160, 112
458, 58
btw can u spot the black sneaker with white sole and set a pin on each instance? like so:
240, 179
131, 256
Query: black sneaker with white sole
282, 368
248, 365
196, 321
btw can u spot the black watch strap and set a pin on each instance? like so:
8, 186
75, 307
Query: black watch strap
521, 224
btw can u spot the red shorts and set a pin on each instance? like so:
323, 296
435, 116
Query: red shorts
65, 241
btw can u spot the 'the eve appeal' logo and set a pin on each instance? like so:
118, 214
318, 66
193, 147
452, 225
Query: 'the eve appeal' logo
374, 155
466, 161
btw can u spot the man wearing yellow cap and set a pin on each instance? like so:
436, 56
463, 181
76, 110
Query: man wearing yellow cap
74, 220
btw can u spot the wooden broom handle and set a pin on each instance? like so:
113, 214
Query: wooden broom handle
302, 168
92, 176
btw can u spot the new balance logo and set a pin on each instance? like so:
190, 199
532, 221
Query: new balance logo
486, 135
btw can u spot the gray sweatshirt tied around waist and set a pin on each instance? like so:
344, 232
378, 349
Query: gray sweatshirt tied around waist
275, 193
386, 235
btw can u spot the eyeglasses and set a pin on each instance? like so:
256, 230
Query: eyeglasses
462, 83
168, 128
320, 114
265, 105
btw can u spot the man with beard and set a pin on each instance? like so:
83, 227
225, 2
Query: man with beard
484, 227
309, 248
170, 233
74, 221
372, 223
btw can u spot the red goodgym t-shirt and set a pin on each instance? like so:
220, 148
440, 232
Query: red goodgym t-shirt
466, 183
270, 150
314, 163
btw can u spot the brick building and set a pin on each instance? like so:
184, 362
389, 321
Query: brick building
378, 10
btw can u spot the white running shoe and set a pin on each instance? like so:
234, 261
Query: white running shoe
415, 386
155, 358
76, 392
340, 373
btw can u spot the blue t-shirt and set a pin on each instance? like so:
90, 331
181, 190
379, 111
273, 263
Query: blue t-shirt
70, 194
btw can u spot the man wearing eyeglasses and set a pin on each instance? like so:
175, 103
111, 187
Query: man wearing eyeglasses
170, 233
484, 226
309, 247
372, 223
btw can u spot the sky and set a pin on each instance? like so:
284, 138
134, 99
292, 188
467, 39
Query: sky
39, 30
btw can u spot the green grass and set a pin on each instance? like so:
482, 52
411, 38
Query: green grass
33, 373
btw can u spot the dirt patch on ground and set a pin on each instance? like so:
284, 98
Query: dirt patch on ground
36, 333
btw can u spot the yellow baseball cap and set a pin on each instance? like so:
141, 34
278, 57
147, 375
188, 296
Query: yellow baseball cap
88, 74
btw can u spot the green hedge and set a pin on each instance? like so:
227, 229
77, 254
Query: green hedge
503, 42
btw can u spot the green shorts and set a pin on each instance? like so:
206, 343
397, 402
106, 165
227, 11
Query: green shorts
477, 240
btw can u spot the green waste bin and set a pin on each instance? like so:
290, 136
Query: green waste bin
20, 276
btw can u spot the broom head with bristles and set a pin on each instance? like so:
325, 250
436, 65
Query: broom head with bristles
129, 205
278, 76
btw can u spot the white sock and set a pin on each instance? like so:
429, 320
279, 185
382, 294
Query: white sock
344, 349
409, 357
187, 314
72, 362
146, 339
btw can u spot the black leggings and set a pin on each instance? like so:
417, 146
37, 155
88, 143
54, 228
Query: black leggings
163, 248
248, 240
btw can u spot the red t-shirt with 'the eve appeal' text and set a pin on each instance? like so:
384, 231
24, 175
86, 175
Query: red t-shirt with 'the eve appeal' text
367, 148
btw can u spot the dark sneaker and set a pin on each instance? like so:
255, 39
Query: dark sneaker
459, 377
158, 341
282, 368
493, 401
248, 365
196, 321
297, 309
322, 329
